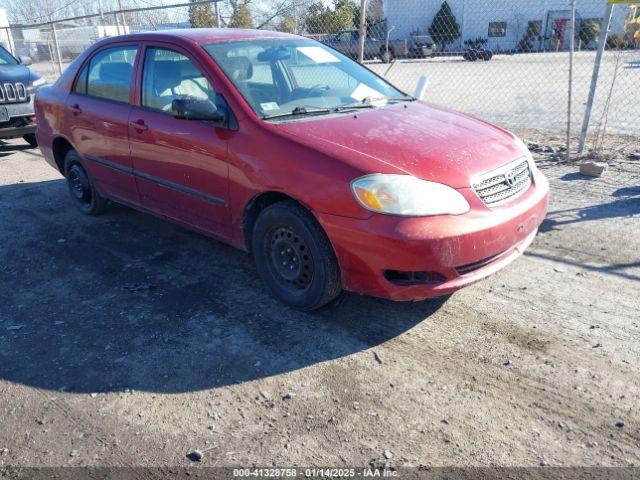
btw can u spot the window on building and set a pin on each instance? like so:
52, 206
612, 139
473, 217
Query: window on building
497, 29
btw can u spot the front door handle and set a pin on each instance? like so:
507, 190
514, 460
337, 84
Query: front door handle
139, 125
75, 109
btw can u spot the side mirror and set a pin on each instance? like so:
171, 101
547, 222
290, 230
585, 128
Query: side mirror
196, 109
25, 60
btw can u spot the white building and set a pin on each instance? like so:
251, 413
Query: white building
502, 22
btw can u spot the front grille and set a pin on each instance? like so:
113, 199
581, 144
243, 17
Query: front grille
501, 186
13, 92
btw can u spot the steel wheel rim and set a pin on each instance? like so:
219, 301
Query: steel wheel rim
80, 186
289, 259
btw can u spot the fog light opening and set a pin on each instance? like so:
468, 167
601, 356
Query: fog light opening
404, 279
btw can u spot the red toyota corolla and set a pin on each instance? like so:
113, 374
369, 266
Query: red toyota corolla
332, 178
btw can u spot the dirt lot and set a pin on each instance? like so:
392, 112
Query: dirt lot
125, 340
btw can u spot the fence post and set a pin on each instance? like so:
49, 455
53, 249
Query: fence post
115, 17
569, 96
295, 17
12, 47
123, 20
594, 78
363, 29
56, 46
216, 9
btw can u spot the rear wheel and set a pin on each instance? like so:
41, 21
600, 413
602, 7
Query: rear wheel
83, 192
30, 138
294, 257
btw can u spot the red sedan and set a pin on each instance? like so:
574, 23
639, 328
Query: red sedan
331, 177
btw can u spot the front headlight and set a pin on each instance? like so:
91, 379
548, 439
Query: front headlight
407, 196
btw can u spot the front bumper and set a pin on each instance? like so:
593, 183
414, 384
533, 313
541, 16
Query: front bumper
14, 119
461, 249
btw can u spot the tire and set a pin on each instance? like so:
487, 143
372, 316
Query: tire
294, 257
30, 138
83, 191
470, 55
386, 56
487, 55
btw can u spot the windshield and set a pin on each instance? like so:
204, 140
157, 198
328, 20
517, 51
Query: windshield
290, 76
6, 58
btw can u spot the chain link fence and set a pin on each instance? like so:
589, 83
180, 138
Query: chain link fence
506, 61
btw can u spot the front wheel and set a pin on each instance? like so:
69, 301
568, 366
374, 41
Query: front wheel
83, 192
30, 138
294, 257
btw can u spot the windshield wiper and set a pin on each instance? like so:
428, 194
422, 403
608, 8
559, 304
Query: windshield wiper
300, 111
366, 102
402, 99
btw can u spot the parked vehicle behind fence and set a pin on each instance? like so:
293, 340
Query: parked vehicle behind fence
348, 43
331, 177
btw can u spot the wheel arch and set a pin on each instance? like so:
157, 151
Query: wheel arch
257, 204
60, 147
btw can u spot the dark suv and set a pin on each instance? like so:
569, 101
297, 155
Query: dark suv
17, 88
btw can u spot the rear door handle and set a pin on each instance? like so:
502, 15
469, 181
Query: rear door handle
139, 125
75, 109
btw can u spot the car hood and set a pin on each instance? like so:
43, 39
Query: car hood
412, 138
16, 74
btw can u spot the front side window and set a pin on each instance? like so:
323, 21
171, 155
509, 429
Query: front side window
169, 75
280, 77
110, 73
81, 82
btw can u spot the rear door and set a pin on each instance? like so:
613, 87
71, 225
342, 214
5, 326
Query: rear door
180, 165
99, 105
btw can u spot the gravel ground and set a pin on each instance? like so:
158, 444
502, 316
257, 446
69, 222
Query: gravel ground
125, 340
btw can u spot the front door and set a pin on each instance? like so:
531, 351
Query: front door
99, 112
180, 165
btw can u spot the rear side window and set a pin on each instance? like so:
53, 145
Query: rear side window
109, 74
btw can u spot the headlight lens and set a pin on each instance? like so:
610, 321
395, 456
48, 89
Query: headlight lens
407, 196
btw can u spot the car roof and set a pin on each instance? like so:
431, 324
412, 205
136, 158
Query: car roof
204, 35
